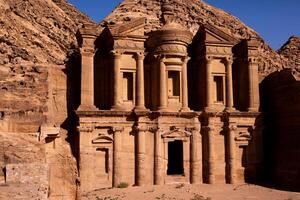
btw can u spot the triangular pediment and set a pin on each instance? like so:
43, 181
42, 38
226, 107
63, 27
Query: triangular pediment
212, 34
131, 28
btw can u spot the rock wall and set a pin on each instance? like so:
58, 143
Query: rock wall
280, 103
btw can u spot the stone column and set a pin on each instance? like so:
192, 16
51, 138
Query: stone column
211, 155
229, 85
117, 99
209, 98
87, 79
253, 85
230, 155
117, 162
140, 92
185, 106
163, 103
158, 165
141, 156
196, 154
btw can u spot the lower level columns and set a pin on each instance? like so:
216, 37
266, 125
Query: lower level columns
196, 157
141, 156
211, 168
117, 157
230, 155
158, 165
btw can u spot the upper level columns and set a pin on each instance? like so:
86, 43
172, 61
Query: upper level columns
117, 98
209, 81
163, 101
87, 70
229, 85
253, 85
185, 102
140, 88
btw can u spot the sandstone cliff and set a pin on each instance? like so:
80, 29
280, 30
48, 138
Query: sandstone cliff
291, 50
36, 39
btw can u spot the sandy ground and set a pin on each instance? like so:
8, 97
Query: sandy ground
193, 192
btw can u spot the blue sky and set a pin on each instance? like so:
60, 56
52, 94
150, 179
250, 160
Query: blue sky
274, 20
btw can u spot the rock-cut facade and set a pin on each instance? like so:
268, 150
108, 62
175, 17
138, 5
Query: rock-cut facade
167, 106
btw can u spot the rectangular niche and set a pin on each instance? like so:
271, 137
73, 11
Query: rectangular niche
173, 84
127, 86
219, 89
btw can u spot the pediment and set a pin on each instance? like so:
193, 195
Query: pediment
176, 134
102, 139
212, 34
131, 28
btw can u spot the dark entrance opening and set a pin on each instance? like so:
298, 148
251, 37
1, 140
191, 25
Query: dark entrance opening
175, 158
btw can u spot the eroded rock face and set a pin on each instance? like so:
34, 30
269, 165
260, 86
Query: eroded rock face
291, 50
37, 41
190, 13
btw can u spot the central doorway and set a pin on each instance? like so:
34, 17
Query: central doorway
175, 158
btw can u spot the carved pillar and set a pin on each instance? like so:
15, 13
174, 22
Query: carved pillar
117, 162
253, 85
211, 155
140, 93
229, 85
230, 155
117, 99
141, 156
163, 103
185, 106
87, 76
209, 98
158, 165
196, 156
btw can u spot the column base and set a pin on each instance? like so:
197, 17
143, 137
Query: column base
186, 109
163, 109
118, 108
253, 109
209, 109
230, 109
83, 107
140, 108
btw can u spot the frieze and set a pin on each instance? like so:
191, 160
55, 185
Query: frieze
127, 44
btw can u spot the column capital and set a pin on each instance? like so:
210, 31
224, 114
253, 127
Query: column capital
252, 60
161, 58
208, 58
142, 128
118, 128
117, 54
228, 60
192, 129
87, 51
140, 55
186, 59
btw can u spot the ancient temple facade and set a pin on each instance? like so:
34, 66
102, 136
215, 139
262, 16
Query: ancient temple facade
167, 106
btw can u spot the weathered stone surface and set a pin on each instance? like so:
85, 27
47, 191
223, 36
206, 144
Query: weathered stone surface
37, 39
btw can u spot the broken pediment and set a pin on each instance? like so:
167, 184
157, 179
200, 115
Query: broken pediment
176, 133
211, 34
102, 139
131, 28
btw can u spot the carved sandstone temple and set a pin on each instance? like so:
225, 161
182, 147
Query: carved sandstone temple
167, 106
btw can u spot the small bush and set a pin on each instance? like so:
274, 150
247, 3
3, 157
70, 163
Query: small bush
123, 185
